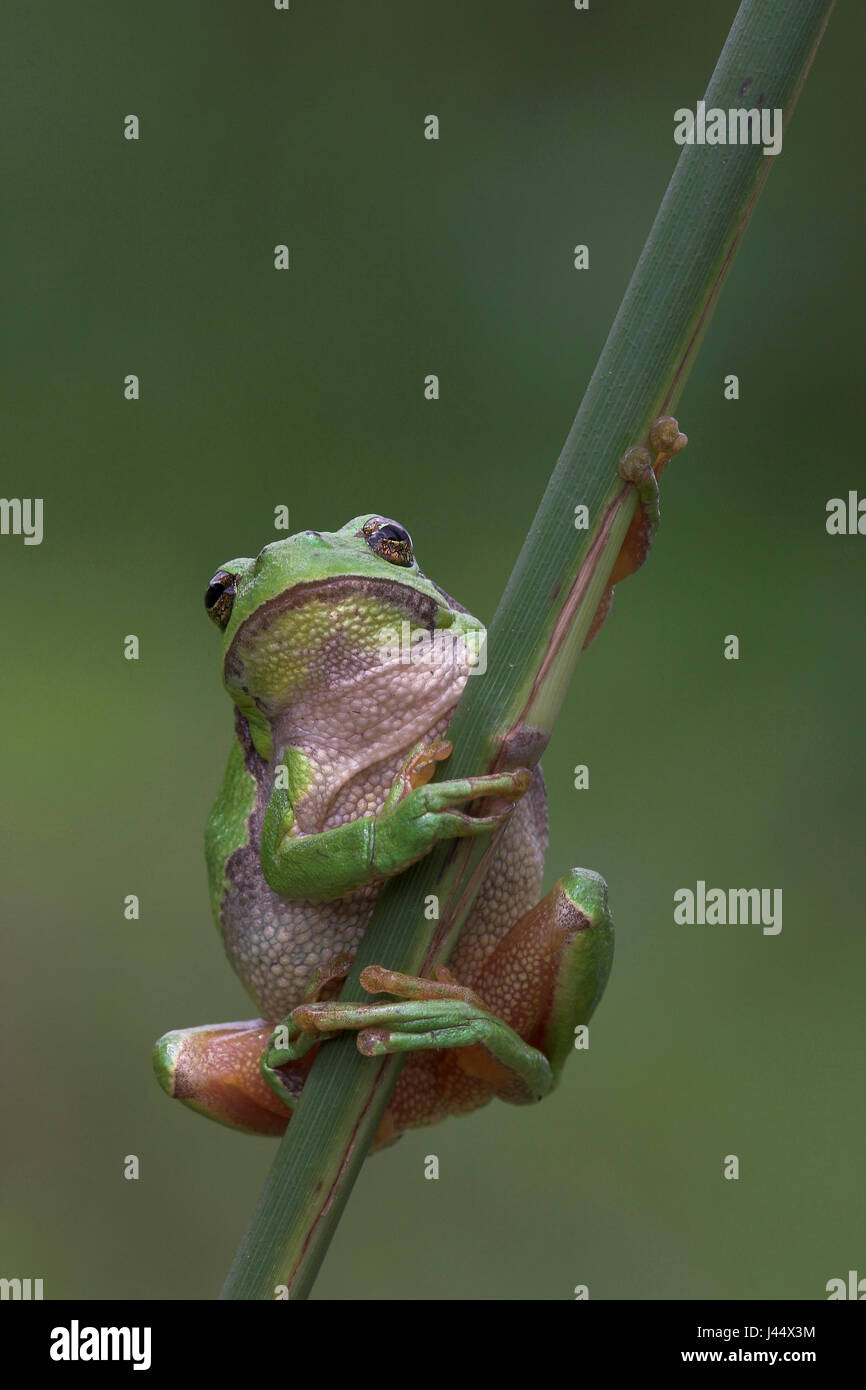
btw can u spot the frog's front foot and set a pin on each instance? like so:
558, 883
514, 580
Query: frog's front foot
416, 815
419, 813
431, 1016
638, 468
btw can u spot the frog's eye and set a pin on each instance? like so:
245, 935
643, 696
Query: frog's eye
389, 539
220, 597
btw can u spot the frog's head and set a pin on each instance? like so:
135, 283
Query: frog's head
340, 634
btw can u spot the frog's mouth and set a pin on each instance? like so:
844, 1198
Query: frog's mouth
339, 594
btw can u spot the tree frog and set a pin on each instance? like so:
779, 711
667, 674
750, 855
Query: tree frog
338, 728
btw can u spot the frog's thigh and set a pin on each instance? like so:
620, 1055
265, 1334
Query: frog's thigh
544, 978
431, 1087
548, 973
216, 1071
511, 884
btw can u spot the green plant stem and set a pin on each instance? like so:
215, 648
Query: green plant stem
505, 717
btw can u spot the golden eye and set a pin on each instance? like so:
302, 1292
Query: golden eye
390, 540
220, 597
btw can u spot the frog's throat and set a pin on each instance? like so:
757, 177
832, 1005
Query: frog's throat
296, 659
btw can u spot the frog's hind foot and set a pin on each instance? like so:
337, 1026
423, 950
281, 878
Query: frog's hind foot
215, 1070
638, 468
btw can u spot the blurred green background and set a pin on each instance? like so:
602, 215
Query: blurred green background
306, 388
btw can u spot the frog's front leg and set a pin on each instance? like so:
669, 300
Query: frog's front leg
414, 817
637, 467
510, 1033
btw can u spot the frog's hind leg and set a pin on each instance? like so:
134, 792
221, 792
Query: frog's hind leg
548, 973
246, 1075
507, 1035
216, 1070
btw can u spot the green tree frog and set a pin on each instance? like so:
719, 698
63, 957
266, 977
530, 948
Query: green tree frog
327, 794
